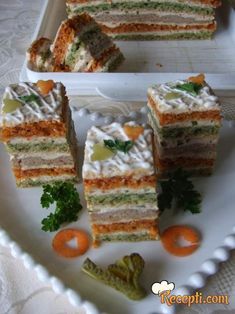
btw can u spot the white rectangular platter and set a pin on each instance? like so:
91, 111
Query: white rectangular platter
21, 214
147, 62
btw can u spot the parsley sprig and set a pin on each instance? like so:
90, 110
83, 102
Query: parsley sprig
30, 98
190, 87
67, 201
123, 146
181, 190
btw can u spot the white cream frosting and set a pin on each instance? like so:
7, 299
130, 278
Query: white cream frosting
187, 102
137, 162
49, 108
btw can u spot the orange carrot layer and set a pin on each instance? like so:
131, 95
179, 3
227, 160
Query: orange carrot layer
59, 243
171, 236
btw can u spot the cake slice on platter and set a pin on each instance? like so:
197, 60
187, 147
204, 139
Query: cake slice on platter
120, 183
154, 19
38, 132
79, 46
39, 55
186, 118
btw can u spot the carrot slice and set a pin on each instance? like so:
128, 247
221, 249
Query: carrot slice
45, 86
172, 235
59, 242
199, 79
133, 132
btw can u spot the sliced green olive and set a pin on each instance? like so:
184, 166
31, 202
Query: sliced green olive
171, 96
10, 105
100, 152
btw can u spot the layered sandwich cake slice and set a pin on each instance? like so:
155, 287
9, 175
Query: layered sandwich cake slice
186, 118
120, 183
154, 19
39, 55
38, 132
79, 46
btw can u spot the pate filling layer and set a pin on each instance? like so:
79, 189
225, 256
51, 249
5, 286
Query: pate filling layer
39, 162
124, 215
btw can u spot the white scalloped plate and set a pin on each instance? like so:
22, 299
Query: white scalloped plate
21, 213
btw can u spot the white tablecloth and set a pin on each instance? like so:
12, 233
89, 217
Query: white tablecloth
20, 290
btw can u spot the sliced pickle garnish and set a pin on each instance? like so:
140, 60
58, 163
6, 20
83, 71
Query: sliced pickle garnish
172, 95
10, 105
100, 152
